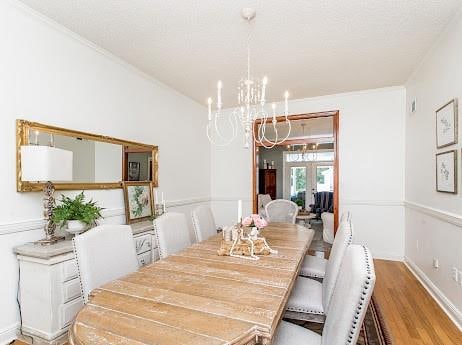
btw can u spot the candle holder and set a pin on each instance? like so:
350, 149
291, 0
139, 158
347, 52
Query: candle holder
159, 210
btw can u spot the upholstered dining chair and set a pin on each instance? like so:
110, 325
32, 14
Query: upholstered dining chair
172, 234
104, 253
203, 223
350, 299
281, 211
315, 266
310, 299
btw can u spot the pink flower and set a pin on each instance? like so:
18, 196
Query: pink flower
247, 221
260, 223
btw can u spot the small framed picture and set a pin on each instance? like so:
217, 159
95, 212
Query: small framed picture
446, 172
134, 169
138, 201
446, 124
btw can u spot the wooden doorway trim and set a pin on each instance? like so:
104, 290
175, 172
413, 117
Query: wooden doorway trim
335, 119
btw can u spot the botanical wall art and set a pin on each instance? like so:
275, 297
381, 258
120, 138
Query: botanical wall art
138, 201
446, 124
446, 172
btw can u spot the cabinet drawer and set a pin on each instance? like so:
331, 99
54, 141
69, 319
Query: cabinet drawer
69, 270
155, 254
69, 310
144, 259
143, 243
71, 290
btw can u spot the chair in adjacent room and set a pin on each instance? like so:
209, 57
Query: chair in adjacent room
323, 202
172, 233
281, 211
310, 299
104, 253
315, 266
263, 200
350, 299
203, 223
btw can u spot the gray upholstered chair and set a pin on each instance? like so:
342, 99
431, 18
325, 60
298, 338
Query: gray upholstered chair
281, 211
350, 299
203, 223
104, 253
314, 266
310, 299
172, 234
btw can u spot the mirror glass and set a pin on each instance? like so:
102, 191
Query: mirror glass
93, 161
99, 162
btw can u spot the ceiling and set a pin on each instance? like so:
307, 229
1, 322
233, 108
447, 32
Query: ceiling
309, 47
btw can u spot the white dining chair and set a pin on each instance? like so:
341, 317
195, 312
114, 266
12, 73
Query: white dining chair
350, 299
203, 223
310, 298
281, 211
315, 266
172, 234
104, 253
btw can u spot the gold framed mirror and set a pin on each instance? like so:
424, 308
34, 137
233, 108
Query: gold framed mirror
99, 162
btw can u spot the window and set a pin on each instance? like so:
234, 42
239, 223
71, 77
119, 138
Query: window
297, 180
310, 156
324, 178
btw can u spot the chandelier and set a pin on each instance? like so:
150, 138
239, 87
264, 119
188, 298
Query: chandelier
251, 100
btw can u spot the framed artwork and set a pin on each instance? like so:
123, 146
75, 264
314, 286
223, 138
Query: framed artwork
446, 172
446, 124
134, 170
138, 201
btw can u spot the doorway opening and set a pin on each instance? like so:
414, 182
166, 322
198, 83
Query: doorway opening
303, 169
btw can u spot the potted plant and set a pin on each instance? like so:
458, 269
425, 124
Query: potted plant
299, 203
76, 213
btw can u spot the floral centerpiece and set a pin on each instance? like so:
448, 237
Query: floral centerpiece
255, 222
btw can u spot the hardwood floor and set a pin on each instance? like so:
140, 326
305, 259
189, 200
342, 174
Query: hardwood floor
412, 316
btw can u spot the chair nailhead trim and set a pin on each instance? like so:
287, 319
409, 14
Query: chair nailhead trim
360, 305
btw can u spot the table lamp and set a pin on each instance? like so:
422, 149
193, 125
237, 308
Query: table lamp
46, 164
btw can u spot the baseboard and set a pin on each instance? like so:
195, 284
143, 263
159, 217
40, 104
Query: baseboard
387, 256
448, 307
9, 334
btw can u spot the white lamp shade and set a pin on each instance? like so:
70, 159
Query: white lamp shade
45, 163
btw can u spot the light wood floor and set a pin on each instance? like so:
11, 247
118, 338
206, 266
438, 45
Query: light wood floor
412, 316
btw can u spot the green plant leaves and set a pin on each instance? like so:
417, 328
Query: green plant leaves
76, 209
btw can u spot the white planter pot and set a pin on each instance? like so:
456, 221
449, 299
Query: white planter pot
76, 226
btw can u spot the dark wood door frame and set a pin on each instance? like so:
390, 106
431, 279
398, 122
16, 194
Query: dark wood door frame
335, 118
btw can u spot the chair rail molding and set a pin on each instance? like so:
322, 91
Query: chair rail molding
371, 202
448, 307
37, 224
448, 217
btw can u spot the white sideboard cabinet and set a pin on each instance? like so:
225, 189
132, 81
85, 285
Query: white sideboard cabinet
49, 288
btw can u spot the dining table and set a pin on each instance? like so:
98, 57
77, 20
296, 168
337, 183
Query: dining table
197, 297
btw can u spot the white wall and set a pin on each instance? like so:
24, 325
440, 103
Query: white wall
371, 143
51, 76
434, 220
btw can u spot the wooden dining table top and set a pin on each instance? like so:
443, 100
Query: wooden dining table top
197, 297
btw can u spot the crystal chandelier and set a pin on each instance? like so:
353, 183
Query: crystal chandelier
251, 100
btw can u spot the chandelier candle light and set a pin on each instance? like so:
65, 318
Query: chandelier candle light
251, 99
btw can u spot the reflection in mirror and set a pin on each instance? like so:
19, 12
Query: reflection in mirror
138, 164
93, 161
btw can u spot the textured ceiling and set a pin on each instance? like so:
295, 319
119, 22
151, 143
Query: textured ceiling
309, 47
